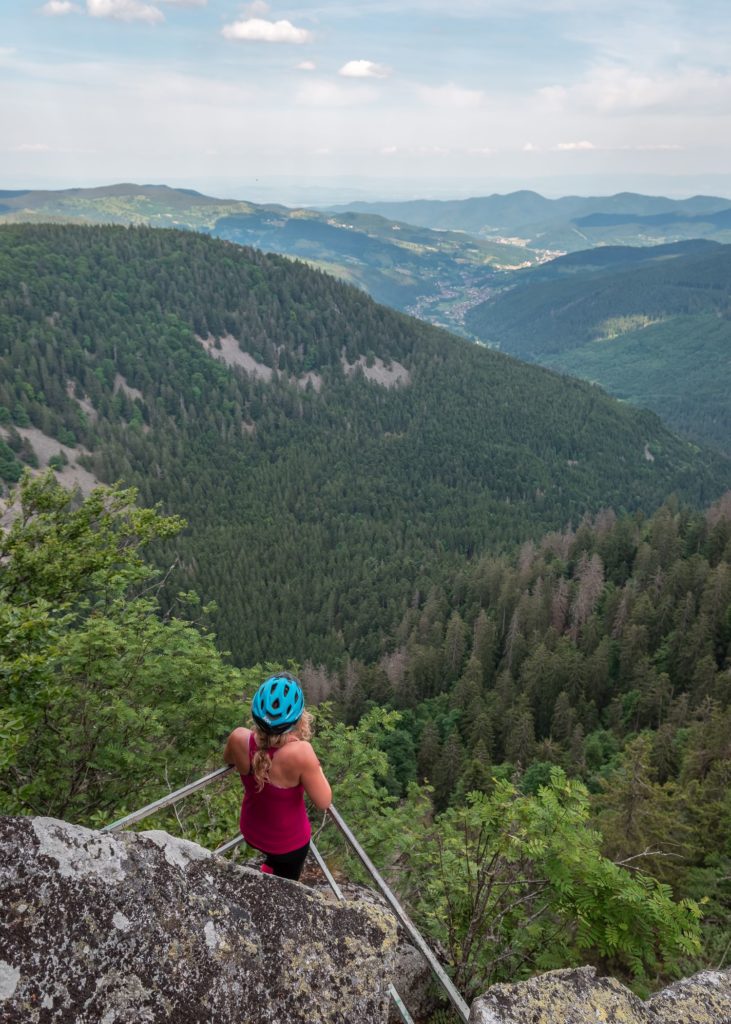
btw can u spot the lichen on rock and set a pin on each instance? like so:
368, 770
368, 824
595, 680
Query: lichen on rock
572, 996
703, 999
149, 928
578, 996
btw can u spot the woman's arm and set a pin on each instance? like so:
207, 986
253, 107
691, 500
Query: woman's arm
313, 779
236, 750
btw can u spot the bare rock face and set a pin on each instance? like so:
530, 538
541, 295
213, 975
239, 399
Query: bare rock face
106, 929
703, 999
577, 996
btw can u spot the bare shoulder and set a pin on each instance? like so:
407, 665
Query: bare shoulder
240, 736
303, 752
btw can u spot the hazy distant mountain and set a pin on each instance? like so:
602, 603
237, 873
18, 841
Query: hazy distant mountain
652, 326
410, 268
569, 223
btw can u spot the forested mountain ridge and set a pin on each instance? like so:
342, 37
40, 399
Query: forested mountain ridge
318, 501
653, 326
398, 264
568, 700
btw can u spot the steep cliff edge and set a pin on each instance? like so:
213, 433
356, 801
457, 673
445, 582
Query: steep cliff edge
145, 927
114, 929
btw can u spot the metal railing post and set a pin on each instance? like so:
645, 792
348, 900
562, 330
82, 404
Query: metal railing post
454, 997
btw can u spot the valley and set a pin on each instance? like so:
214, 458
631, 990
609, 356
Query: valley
649, 325
386, 347
472, 562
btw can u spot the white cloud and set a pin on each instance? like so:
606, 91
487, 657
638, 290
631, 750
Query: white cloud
452, 96
124, 10
306, 65
528, 147
258, 30
257, 8
57, 7
32, 147
389, 150
363, 69
565, 147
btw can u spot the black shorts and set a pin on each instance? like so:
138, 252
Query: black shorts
287, 865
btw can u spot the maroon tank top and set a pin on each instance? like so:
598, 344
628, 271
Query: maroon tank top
273, 820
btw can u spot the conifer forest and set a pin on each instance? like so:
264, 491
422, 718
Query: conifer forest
507, 594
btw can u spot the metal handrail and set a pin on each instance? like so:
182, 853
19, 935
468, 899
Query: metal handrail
230, 845
446, 982
399, 1003
454, 996
165, 801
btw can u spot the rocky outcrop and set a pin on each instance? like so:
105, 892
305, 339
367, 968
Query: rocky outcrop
703, 999
412, 975
146, 928
577, 996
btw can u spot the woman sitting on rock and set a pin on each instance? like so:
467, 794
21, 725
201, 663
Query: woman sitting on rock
278, 766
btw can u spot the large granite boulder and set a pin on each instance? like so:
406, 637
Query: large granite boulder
703, 999
578, 996
573, 996
115, 929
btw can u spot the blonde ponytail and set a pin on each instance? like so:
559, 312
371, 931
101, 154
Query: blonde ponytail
261, 762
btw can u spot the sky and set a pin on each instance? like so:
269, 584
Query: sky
336, 100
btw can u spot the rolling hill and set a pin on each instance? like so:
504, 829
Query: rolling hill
652, 326
570, 223
333, 458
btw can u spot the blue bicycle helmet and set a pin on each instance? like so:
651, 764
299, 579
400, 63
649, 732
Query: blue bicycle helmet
278, 704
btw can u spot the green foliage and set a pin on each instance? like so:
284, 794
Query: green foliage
314, 515
103, 699
605, 651
656, 335
514, 884
106, 704
10, 469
